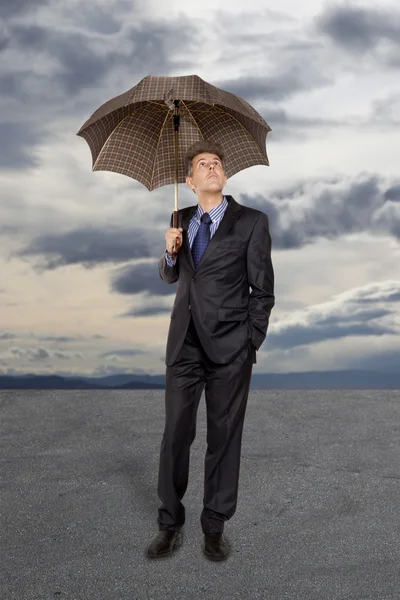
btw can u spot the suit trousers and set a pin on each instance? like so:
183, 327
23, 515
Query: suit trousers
226, 392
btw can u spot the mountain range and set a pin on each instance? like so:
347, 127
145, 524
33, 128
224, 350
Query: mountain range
345, 379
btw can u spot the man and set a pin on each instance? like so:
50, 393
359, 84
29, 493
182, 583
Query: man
216, 327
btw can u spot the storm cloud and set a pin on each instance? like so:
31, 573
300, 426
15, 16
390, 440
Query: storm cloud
348, 314
17, 141
315, 210
299, 215
273, 88
89, 247
69, 70
367, 32
11, 8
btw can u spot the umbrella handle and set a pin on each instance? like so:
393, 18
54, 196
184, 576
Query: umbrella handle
176, 247
177, 243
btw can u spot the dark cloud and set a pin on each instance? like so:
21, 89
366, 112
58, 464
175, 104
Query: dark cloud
147, 47
328, 211
276, 65
346, 319
393, 193
392, 296
272, 88
392, 58
364, 312
298, 216
61, 355
17, 140
142, 277
153, 309
16, 8
100, 20
360, 29
11, 85
286, 126
4, 41
6, 337
62, 339
89, 247
299, 335
79, 63
121, 352
38, 354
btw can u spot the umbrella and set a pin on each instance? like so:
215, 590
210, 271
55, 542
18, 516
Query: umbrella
145, 132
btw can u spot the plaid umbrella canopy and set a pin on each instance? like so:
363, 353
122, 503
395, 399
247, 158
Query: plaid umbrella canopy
145, 132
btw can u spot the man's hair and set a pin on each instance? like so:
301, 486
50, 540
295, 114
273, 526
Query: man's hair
198, 148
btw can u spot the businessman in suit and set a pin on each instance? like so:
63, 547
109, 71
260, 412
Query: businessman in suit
216, 328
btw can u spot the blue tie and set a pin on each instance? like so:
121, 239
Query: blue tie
202, 239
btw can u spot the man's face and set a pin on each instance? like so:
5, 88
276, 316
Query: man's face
207, 174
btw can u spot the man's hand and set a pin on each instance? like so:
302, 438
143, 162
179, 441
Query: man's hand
170, 237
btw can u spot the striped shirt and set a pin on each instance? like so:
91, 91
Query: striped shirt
216, 215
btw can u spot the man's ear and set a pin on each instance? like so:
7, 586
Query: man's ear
189, 183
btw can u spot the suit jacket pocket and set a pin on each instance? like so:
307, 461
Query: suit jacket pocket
226, 313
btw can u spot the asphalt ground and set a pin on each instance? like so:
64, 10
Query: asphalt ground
318, 515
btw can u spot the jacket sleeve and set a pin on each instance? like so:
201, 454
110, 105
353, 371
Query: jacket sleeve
168, 272
260, 276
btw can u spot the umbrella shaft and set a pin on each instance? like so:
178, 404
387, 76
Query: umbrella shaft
176, 168
176, 129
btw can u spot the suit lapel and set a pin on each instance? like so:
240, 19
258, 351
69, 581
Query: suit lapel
232, 213
186, 218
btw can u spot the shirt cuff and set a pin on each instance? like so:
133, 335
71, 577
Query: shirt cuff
170, 260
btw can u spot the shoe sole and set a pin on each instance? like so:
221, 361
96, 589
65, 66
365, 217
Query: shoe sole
216, 558
213, 557
175, 546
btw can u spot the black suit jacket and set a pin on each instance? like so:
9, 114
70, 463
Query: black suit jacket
217, 295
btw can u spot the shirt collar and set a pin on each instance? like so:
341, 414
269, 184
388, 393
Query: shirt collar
214, 212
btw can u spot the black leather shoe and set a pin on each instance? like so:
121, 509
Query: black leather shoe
216, 546
165, 543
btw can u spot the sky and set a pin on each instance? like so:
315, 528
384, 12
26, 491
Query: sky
80, 291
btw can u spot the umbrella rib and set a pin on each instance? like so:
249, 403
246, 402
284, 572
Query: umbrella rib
241, 125
158, 143
113, 131
226, 113
195, 122
159, 104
